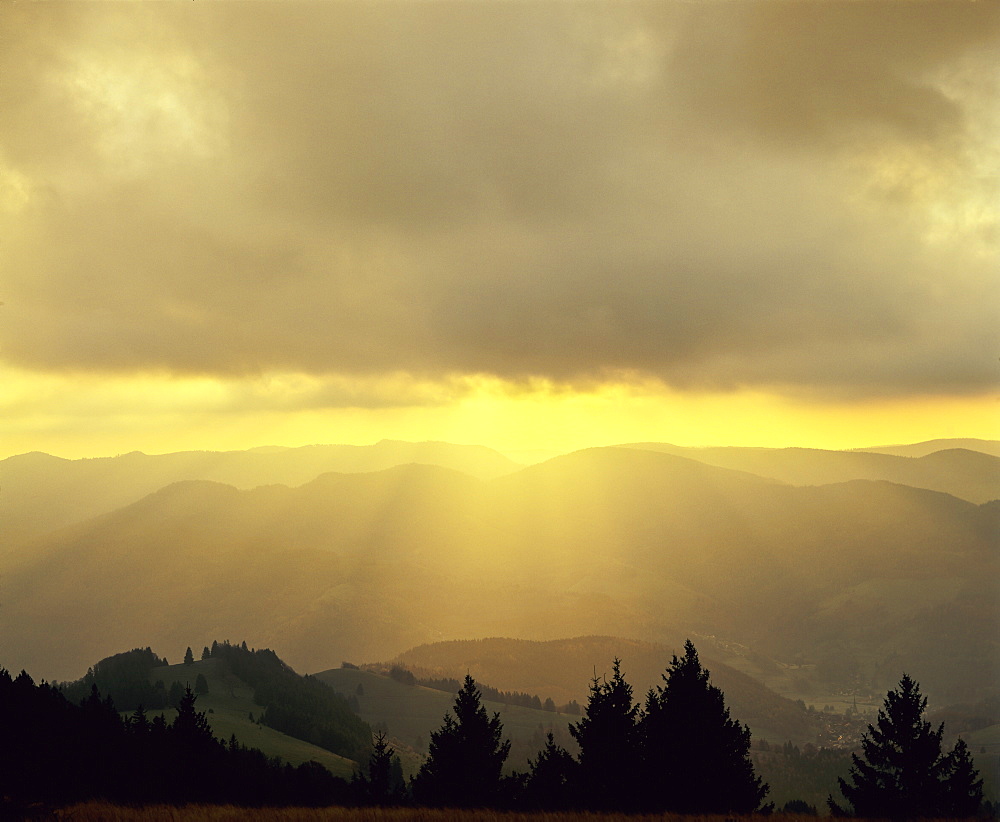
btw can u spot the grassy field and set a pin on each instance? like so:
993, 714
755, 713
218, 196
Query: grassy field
228, 705
409, 713
103, 812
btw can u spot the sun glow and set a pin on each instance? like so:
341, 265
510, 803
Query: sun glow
86, 415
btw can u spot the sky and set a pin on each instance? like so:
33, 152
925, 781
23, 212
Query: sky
532, 225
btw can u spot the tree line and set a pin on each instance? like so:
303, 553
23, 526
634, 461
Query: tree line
677, 751
451, 685
56, 751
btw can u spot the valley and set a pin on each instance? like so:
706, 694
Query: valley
823, 592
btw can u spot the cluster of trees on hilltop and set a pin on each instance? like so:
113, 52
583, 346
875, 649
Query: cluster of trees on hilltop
127, 676
302, 707
58, 751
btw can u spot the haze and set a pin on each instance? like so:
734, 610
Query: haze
532, 226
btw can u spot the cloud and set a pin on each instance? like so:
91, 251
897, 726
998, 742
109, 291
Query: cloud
791, 195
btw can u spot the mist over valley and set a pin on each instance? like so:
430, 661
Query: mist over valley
809, 589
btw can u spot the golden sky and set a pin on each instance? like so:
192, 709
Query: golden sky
539, 225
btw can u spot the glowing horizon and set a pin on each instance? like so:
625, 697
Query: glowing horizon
101, 416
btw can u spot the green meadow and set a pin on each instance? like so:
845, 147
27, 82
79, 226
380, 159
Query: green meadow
228, 706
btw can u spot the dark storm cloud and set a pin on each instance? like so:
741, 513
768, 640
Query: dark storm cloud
716, 194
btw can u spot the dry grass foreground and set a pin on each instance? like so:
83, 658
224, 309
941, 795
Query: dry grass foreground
106, 812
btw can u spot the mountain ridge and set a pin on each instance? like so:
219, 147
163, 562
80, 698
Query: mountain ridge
613, 541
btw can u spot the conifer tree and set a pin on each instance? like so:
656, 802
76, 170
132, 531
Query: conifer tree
466, 756
191, 727
902, 773
963, 789
188, 657
384, 783
552, 779
138, 723
696, 757
609, 753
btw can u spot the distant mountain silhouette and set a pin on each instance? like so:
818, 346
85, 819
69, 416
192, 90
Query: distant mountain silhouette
922, 449
969, 474
39, 492
858, 579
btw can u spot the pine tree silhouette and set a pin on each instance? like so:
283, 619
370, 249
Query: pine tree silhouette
191, 727
384, 783
696, 757
466, 756
963, 789
608, 739
197, 753
138, 723
552, 778
902, 773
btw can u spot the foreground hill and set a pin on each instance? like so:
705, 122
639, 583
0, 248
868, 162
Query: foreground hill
858, 580
250, 711
564, 668
39, 492
963, 472
230, 703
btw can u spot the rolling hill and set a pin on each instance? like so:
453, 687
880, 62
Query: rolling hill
564, 669
857, 580
229, 705
408, 714
39, 492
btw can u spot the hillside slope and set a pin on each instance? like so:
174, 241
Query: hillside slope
564, 669
39, 492
229, 706
857, 579
409, 713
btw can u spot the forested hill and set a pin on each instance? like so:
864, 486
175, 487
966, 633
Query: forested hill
302, 708
56, 752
